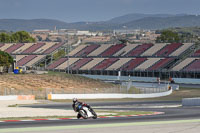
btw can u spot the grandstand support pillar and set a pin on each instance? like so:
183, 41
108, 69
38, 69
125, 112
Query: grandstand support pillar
45, 63
67, 57
51, 58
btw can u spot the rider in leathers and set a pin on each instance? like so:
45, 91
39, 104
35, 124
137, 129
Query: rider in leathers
77, 106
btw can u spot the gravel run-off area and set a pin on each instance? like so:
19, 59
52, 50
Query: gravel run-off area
7, 112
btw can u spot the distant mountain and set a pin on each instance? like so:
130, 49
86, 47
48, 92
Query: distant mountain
137, 16
29, 25
130, 21
161, 23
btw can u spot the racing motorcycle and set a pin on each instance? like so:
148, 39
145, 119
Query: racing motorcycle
86, 113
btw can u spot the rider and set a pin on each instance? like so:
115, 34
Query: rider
77, 105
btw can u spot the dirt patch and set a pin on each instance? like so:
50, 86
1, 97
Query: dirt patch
40, 85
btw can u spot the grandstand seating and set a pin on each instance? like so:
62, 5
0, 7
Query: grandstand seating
125, 49
45, 47
160, 64
197, 53
168, 49
76, 50
183, 64
100, 50
5, 46
57, 63
77, 65
118, 64
87, 50
92, 63
139, 50
147, 63
155, 48
1, 45
19, 57
181, 50
53, 48
64, 65
33, 48
132, 64
22, 48
112, 50
25, 60
35, 60
193, 66
13, 47
105, 63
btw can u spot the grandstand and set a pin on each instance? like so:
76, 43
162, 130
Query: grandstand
130, 59
29, 54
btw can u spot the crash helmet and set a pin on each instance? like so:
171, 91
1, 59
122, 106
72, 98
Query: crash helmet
75, 100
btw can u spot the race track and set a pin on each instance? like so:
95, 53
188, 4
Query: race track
172, 109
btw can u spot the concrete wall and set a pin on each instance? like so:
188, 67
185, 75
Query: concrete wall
191, 101
18, 97
107, 96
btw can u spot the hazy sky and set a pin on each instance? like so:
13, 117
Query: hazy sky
92, 10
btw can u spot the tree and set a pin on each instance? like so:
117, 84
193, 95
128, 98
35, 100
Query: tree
39, 38
5, 59
17, 37
5, 38
168, 36
22, 37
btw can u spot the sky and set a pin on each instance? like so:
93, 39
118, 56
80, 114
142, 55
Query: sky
92, 10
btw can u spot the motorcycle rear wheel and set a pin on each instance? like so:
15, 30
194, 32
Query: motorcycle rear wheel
83, 114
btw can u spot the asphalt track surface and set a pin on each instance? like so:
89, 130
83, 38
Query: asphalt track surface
171, 113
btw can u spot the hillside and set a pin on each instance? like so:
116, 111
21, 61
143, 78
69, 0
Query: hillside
161, 23
136, 16
131, 21
40, 85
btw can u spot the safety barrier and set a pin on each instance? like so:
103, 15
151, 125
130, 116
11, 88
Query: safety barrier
18, 97
107, 96
191, 101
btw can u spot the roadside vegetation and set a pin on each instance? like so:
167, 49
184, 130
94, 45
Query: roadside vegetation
6, 61
177, 35
16, 37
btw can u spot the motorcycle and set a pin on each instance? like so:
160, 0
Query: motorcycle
86, 113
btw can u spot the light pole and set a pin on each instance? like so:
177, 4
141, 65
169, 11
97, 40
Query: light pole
67, 57
67, 53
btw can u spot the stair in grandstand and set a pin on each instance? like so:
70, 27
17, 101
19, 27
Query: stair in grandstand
40, 61
162, 64
196, 50
189, 52
193, 66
